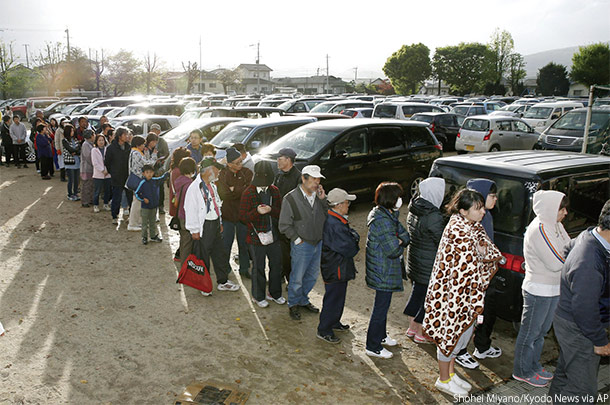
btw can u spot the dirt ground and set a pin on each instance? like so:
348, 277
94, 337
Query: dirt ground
94, 317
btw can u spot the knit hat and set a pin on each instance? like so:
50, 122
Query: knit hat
263, 174
232, 155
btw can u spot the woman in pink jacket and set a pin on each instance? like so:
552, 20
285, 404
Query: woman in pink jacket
101, 178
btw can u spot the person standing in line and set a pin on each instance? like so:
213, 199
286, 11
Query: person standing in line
425, 224
117, 164
247, 160
582, 316
71, 148
174, 166
232, 182
203, 220
101, 178
58, 141
37, 119
286, 180
143, 152
543, 246
86, 169
339, 246
187, 170
260, 209
83, 125
302, 219
18, 134
385, 243
148, 194
7, 141
45, 151
194, 146
163, 154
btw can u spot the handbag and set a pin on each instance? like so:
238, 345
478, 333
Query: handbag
266, 238
133, 180
194, 271
174, 223
68, 158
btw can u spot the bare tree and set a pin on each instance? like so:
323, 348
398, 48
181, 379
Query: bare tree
228, 78
6, 63
48, 63
192, 72
152, 71
98, 69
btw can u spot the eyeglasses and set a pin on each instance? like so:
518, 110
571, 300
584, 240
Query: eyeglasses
493, 196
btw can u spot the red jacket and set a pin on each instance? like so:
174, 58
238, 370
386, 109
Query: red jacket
230, 199
249, 215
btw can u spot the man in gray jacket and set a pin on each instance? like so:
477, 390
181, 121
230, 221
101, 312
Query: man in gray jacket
302, 219
18, 134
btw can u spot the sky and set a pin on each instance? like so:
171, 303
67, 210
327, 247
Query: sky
295, 37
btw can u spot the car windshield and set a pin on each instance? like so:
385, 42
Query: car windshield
476, 125
322, 108
423, 118
306, 142
575, 121
114, 112
385, 111
286, 105
538, 112
230, 135
182, 131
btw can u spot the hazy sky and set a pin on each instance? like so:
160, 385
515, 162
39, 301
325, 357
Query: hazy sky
295, 36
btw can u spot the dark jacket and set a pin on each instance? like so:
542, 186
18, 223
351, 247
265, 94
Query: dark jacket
230, 199
162, 151
117, 162
43, 145
385, 244
248, 214
584, 285
5, 133
425, 224
149, 189
339, 246
299, 220
483, 186
287, 181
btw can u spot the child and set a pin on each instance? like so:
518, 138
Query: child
148, 193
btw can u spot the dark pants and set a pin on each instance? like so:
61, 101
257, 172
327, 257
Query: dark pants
285, 247
86, 191
46, 166
99, 185
213, 248
415, 305
577, 367
259, 281
8, 152
19, 153
62, 173
117, 195
332, 307
482, 332
37, 159
162, 197
377, 324
73, 179
230, 230
186, 243
149, 223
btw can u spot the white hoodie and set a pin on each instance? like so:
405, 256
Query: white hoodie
543, 246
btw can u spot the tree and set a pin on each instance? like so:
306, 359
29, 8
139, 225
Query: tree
465, 67
152, 72
590, 65
501, 45
408, 67
98, 69
6, 63
516, 72
77, 72
228, 78
553, 80
123, 73
440, 65
49, 65
192, 72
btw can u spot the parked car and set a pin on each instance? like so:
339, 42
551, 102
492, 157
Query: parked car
210, 127
357, 155
358, 112
463, 110
485, 133
542, 115
336, 106
258, 133
568, 131
103, 111
113, 102
69, 110
402, 110
153, 109
38, 103
57, 107
94, 120
140, 124
585, 179
512, 110
21, 106
444, 126
239, 112
114, 112
233, 101
272, 102
300, 105
320, 116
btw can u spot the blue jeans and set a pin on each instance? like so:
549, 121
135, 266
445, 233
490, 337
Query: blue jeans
377, 324
229, 229
536, 321
73, 177
305, 263
106, 185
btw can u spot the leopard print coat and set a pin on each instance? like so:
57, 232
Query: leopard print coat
459, 279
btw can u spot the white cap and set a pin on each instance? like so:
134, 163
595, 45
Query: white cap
338, 195
313, 171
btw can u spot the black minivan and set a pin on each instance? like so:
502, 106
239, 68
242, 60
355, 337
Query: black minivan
356, 155
583, 178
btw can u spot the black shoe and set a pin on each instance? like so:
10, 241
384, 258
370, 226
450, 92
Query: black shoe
64, 180
295, 314
18, 167
46, 177
156, 238
309, 307
85, 205
341, 328
329, 338
25, 166
161, 211
247, 274
144, 241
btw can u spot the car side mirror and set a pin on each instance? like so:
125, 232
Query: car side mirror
256, 144
341, 154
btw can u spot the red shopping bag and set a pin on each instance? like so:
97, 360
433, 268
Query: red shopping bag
194, 271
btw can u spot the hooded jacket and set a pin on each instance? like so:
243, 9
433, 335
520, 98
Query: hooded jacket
543, 245
483, 186
425, 224
339, 246
116, 160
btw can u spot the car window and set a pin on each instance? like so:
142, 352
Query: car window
164, 124
385, 111
417, 137
136, 127
520, 126
211, 131
538, 112
299, 107
476, 125
306, 142
312, 104
493, 107
503, 125
446, 120
387, 140
354, 144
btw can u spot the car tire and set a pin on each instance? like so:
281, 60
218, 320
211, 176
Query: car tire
495, 148
30, 155
412, 186
461, 152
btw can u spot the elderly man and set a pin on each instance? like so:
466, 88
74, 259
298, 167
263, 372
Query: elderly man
581, 318
302, 220
286, 180
18, 134
163, 154
339, 246
203, 221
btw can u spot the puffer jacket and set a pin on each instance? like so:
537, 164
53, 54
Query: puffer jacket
385, 244
339, 246
425, 224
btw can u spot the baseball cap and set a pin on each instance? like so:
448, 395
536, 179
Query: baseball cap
338, 195
313, 171
210, 161
155, 126
288, 152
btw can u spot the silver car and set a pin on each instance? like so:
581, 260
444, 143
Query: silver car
485, 133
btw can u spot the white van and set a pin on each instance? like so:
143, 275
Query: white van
403, 110
542, 115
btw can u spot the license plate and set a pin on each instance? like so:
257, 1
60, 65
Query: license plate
470, 147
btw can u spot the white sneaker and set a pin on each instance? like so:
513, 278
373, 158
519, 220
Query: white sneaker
205, 294
465, 360
96, 208
106, 207
262, 304
451, 388
280, 301
382, 354
126, 212
134, 228
388, 341
462, 383
491, 353
228, 286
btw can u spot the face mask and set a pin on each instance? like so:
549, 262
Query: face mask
398, 204
261, 189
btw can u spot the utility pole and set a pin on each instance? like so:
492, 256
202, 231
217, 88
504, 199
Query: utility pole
355, 74
258, 72
200, 71
68, 41
327, 74
27, 58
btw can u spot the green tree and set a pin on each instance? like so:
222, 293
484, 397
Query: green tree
7, 61
465, 67
516, 72
553, 80
501, 45
19, 80
590, 65
408, 67
77, 72
123, 73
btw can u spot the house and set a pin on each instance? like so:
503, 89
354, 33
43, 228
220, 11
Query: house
207, 82
430, 87
314, 84
253, 75
578, 90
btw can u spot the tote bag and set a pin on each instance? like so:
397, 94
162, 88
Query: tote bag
194, 271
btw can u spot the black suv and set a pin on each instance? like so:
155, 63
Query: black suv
357, 155
584, 179
443, 125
